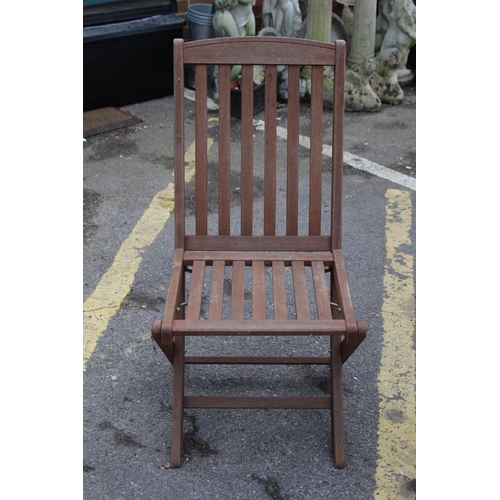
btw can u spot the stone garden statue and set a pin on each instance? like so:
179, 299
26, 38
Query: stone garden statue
384, 80
400, 35
395, 35
359, 95
376, 63
282, 15
384, 8
234, 18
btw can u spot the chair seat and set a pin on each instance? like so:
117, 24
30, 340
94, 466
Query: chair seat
267, 293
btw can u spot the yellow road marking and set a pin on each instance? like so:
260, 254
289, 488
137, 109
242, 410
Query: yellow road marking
115, 284
396, 467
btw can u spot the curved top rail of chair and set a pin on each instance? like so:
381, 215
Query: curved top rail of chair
241, 50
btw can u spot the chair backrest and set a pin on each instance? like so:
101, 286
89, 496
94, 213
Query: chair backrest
277, 213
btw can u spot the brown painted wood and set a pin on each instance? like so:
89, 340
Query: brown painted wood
255, 360
321, 291
270, 152
217, 291
292, 192
242, 50
347, 350
196, 291
201, 148
344, 296
168, 349
314, 402
247, 150
175, 296
258, 327
179, 193
224, 151
279, 290
337, 145
268, 253
316, 157
177, 404
300, 290
238, 290
286, 256
337, 416
258, 290
258, 243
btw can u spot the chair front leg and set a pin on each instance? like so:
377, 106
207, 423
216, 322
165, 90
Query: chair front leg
177, 404
337, 402
178, 385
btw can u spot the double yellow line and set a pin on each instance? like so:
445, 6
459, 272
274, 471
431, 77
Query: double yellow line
395, 471
115, 284
396, 466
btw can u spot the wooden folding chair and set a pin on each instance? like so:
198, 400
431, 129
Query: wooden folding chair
267, 248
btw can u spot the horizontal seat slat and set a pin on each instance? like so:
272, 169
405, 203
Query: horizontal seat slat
258, 290
196, 291
279, 289
321, 291
238, 291
217, 291
300, 290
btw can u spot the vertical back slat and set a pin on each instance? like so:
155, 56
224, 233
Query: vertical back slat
337, 144
179, 142
316, 151
224, 150
270, 152
247, 150
201, 148
292, 180
258, 290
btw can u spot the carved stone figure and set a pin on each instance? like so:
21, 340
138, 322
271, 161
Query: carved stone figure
384, 8
400, 35
359, 96
384, 81
282, 15
347, 15
223, 20
234, 18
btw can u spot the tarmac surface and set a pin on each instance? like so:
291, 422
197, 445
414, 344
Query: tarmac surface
229, 454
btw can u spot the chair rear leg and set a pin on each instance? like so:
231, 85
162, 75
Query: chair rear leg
177, 403
337, 403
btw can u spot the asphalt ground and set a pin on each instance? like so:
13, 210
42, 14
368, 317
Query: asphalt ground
239, 454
